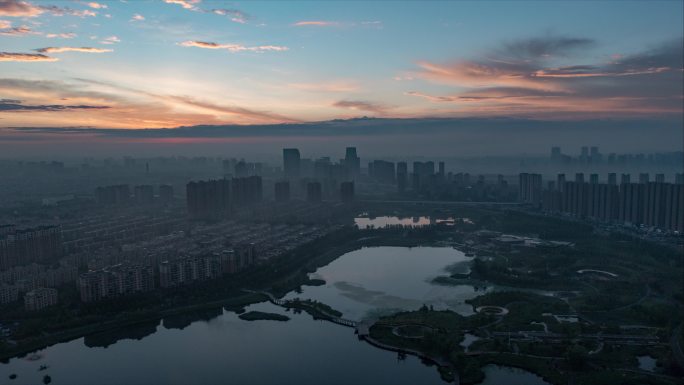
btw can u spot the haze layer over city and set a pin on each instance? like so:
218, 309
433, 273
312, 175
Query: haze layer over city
262, 192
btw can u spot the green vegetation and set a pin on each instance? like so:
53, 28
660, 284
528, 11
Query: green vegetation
316, 309
258, 315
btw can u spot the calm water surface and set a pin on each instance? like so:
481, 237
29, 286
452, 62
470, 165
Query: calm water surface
218, 347
380, 280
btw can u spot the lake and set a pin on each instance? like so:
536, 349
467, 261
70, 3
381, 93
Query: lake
216, 346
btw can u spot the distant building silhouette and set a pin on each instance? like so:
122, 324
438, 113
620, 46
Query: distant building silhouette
347, 192
352, 162
291, 163
282, 191
314, 192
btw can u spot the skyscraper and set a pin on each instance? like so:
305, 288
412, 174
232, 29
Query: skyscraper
314, 192
624, 178
291, 162
282, 191
352, 162
530, 188
402, 176
347, 192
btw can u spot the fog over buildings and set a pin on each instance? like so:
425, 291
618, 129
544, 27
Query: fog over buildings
327, 192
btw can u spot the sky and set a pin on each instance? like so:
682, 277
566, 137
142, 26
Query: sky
169, 63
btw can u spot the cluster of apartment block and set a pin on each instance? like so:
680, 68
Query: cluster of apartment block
21, 279
34, 300
126, 278
115, 281
653, 204
40, 298
41, 244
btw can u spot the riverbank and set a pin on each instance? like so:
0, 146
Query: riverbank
293, 274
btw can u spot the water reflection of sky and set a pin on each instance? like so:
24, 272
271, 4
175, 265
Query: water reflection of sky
365, 222
227, 350
382, 279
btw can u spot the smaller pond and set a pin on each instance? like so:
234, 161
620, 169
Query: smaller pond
647, 363
365, 222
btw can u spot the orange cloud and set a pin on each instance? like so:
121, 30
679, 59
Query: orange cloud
25, 57
95, 5
473, 74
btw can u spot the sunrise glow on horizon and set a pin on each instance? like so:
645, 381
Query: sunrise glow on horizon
153, 64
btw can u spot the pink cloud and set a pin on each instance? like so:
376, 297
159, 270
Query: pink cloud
14, 8
73, 49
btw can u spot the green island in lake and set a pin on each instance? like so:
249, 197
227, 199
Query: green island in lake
260, 315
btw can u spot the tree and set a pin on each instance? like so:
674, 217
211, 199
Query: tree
577, 356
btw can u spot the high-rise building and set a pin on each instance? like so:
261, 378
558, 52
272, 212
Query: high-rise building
166, 193
241, 170
402, 176
584, 156
653, 205
8, 293
187, 270
679, 178
347, 192
247, 190
352, 162
282, 191
630, 203
314, 192
624, 178
441, 170
40, 298
560, 181
291, 162
660, 178
114, 281
42, 244
382, 171
579, 177
593, 178
595, 155
643, 177
674, 207
209, 199
113, 195
556, 154
612, 179
530, 188
143, 194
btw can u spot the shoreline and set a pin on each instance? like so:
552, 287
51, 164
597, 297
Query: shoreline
290, 282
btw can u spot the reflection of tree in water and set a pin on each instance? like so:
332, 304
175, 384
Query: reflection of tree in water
133, 332
181, 321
